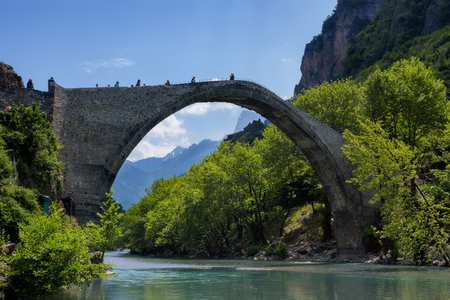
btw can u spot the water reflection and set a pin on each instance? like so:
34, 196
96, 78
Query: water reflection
153, 278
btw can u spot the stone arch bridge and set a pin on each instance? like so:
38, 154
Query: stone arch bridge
99, 127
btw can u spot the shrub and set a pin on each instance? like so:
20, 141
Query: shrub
252, 250
50, 257
282, 249
268, 250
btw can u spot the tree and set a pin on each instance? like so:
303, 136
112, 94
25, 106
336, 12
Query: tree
412, 214
408, 101
337, 104
29, 139
50, 256
103, 235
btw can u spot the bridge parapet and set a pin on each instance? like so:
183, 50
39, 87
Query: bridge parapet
19, 96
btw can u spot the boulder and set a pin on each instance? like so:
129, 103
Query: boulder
8, 248
96, 257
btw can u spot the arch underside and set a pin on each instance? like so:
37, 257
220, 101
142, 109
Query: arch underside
320, 144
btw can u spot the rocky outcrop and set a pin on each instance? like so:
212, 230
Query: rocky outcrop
8, 248
323, 57
435, 20
9, 77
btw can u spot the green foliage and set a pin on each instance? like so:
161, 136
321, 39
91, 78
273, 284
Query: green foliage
394, 26
239, 189
325, 212
282, 249
372, 238
17, 205
268, 250
103, 236
408, 101
412, 215
50, 257
336, 104
252, 250
29, 138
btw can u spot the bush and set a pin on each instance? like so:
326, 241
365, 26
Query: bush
282, 249
17, 204
268, 250
50, 257
252, 250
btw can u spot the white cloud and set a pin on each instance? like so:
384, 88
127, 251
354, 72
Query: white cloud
170, 127
287, 60
204, 108
215, 79
162, 139
91, 66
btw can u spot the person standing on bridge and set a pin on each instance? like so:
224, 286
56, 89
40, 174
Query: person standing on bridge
232, 76
138, 83
193, 80
30, 84
117, 84
167, 82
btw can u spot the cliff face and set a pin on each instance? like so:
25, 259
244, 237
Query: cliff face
323, 57
9, 77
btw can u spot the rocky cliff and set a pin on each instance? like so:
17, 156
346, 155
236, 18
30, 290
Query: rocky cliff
9, 77
323, 56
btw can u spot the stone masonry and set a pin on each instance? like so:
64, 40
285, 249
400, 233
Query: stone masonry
99, 127
19, 96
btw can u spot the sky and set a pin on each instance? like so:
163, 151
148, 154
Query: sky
83, 43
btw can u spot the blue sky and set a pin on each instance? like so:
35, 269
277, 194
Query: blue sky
83, 43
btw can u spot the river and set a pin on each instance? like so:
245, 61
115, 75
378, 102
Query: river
177, 278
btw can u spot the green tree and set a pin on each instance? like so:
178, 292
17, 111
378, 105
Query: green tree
412, 214
337, 104
17, 205
408, 101
103, 235
50, 257
29, 139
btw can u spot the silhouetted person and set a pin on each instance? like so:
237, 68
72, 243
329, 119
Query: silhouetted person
117, 84
193, 80
30, 84
167, 82
138, 83
51, 89
232, 76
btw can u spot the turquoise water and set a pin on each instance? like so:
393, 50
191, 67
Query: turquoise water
156, 278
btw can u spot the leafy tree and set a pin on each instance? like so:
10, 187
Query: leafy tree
336, 104
17, 205
50, 257
408, 101
103, 235
29, 138
412, 214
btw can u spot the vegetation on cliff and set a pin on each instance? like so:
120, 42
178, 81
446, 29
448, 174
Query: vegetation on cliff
401, 30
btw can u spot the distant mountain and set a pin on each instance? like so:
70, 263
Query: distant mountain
246, 117
134, 177
152, 162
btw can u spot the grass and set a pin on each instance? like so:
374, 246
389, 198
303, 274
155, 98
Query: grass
302, 224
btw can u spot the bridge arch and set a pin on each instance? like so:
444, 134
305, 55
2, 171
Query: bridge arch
100, 127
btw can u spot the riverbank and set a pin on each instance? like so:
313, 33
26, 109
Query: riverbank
308, 251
